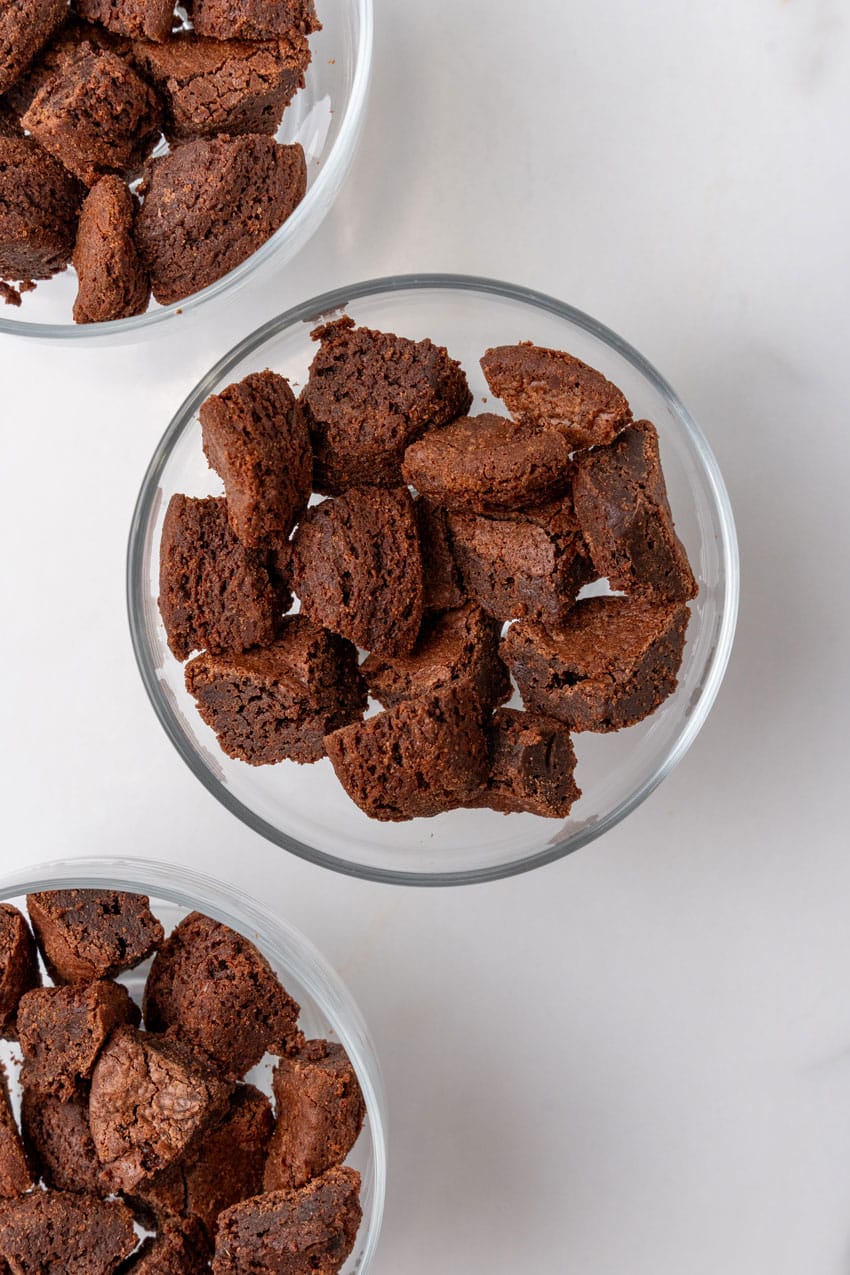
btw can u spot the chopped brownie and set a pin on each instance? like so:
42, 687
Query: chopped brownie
210, 204
19, 971
551, 387
488, 464
369, 395
452, 646
357, 568
610, 665
280, 702
253, 19
53, 1233
621, 502
88, 934
218, 993
179, 1248
532, 761
139, 19
214, 593
58, 1138
255, 437
307, 1231
151, 1098
58, 53
441, 582
25, 25
320, 1112
16, 1175
415, 760
39, 207
112, 283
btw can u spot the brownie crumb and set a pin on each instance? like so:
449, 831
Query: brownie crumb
179, 1248
532, 761
253, 19
441, 581
58, 1139
138, 19
39, 206
19, 971
16, 1175
25, 25
112, 282
92, 934
53, 1233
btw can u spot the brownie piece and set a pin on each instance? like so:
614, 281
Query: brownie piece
214, 594
58, 1139
223, 86
488, 464
308, 1231
179, 1248
19, 971
39, 207
320, 1112
151, 1099
621, 502
610, 665
279, 703
16, 1175
415, 760
25, 25
63, 1029
441, 582
218, 993
88, 934
95, 115
58, 53
369, 395
253, 19
552, 388
255, 438
530, 563
112, 283
53, 1233
357, 568
452, 646
138, 19
532, 761
210, 204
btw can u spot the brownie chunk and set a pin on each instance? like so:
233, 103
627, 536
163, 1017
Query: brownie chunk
279, 703
415, 760
621, 502
453, 646
320, 1112
488, 464
610, 665
532, 761
58, 53
213, 592
112, 283
256, 439
530, 563
253, 19
357, 568
18, 967
25, 25
139, 19
551, 387
442, 586
210, 204
63, 1029
308, 1231
58, 1139
217, 86
52, 1233
16, 1175
88, 934
179, 1248
39, 207
218, 993
95, 115
369, 395
151, 1098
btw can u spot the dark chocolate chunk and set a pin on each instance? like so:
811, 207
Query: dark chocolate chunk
16, 1173
138, 19
253, 19
25, 26
39, 207
89, 934
19, 971
532, 761
52, 1233
59, 1141
112, 283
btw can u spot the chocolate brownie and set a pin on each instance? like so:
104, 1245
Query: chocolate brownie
307, 1231
25, 25
452, 646
552, 388
532, 761
621, 502
210, 204
53, 1233
610, 665
88, 934
442, 586
95, 115
179, 1248
357, 568
320, 1112
112, 283
530, 563
16, 1175
19, 971
151, 1099
39, 207
58, 53
214, 990
139, 19
253, 19
415, 760
488, 464
280, 702
255, 437
63, 1029
369, 395
214, 594
217, 86
58, 1139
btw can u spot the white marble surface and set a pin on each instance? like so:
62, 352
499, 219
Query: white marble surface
636, 1062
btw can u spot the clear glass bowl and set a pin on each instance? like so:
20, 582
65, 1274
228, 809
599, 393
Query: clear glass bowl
326, 117
327, 1008
302, 808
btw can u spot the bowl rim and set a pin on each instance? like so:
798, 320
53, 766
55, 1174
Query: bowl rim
313, 310
333, 170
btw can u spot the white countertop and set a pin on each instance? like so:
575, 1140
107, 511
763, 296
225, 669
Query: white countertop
637, 1061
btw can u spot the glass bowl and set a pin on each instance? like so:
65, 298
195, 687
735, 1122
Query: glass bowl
302, 808
327, 1008
326, 117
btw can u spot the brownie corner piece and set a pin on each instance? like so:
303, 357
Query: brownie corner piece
46, 1232
112, 283
19, 972
532, 765
92, 934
